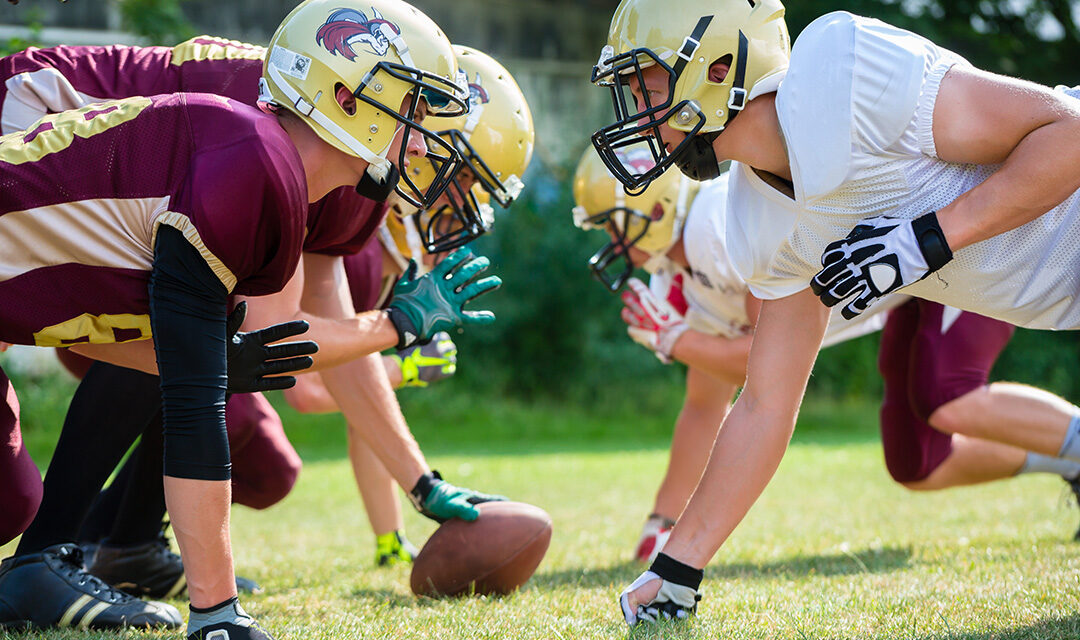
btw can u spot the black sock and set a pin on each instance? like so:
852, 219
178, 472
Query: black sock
138, 520
111, 407
99, 521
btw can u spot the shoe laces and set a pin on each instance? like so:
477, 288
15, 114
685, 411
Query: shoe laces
71, 557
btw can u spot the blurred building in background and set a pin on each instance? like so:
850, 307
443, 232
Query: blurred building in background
549, 45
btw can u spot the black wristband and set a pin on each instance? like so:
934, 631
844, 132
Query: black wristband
406, 330
935, 249
217, 606
674, 571
425, 484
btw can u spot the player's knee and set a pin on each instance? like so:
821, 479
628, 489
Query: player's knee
962, 415
18, 506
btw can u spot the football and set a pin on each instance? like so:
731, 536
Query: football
496, 554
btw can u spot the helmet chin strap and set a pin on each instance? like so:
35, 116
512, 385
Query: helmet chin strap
378, 166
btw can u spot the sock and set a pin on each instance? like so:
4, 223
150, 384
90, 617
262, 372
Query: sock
1070, 448
102, 514
104, 418
228, 612
1038, 463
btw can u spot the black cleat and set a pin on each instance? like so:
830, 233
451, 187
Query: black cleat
150, 569
1074, 486
51, 589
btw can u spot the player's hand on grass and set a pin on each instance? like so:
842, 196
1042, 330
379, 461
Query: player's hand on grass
423, 306
667, 591
439, 500
421, 365
255, 364
879, 256
651, 322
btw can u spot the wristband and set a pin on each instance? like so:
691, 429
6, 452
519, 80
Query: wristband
671, 570
935, 249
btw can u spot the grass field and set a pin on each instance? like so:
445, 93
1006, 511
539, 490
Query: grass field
833, 550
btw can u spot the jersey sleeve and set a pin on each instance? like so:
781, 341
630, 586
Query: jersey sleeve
246, 200
856, 87
342, 222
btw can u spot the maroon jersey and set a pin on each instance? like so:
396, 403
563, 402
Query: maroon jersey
84, 192
40, 81
364, 272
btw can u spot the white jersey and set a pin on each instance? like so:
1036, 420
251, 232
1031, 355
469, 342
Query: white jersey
856, 110
715, 292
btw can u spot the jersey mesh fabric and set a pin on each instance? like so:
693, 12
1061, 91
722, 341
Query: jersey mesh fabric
1028, 276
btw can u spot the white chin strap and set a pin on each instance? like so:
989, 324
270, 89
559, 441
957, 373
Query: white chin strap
378, 165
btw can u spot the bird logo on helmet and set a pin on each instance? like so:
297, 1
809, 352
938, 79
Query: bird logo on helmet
345, 27
393, 60
711, 56
477, 94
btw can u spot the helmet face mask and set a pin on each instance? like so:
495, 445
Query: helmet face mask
638, 126
604, 264
495, 142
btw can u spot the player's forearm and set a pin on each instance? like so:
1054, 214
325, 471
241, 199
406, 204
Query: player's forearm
1040, 173
137, 355
744, 458
346, 339
724, 358
362, 391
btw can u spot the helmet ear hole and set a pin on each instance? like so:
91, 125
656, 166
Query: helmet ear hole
345, 99
657, 212
719, 68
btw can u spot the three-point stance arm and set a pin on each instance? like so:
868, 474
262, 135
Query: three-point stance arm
748, 449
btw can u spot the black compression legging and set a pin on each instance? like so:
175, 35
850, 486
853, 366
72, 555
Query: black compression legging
187, 314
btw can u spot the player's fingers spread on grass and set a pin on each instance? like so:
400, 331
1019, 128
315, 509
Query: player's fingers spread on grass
629, 317
277, 332
292, 349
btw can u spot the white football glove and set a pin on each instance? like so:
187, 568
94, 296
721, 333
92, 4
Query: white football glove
676, 600
651, 322
879, 256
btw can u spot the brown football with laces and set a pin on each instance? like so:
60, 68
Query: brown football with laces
496, 554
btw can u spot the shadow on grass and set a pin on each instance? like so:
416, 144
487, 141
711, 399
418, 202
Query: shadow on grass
1053, 629
838, 564
391, 598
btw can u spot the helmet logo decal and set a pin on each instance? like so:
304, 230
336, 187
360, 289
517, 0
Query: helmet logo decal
348, 27
477, 93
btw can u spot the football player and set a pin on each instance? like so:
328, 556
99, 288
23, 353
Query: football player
224, 211
699, 311
496, 138
855, 129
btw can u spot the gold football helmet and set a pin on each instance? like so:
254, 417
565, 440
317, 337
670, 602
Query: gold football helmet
685, 38
651, 221
388, 54
496, 141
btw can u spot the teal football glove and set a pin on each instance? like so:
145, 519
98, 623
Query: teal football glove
439, 500
420, 365
423, 306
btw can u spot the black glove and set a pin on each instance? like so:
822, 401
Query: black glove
251, 360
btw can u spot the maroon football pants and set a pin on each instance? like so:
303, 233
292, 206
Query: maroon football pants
930, 355
20, 480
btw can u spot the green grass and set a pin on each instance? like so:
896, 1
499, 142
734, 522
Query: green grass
834, 549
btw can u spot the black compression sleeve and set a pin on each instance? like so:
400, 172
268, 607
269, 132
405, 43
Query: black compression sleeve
187, 315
